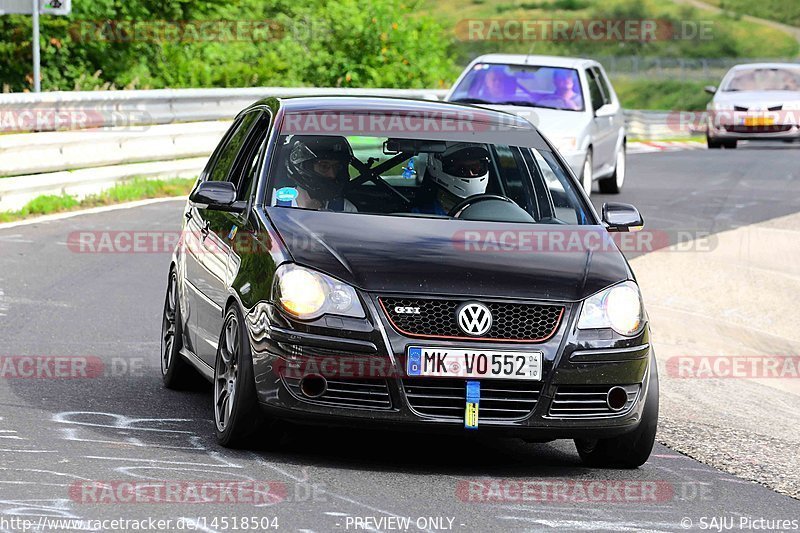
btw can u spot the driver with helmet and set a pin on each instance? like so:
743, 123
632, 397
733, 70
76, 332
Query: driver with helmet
459, 172
318, 167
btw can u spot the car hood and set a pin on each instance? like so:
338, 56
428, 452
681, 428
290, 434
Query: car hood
757, 99
389, 254
552, 122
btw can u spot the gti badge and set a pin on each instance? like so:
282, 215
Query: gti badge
474, 318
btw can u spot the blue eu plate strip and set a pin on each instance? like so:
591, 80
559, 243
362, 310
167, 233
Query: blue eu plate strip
414, 366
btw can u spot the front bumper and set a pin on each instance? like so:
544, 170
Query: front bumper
732, 128
366, 371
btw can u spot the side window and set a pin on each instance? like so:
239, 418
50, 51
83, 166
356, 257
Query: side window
601, 78
246, 169
510, 166
560, 189
594, 91
223, 166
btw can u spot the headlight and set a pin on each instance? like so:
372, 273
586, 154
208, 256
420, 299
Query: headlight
565, 144
720, 106
618, 307
307, 294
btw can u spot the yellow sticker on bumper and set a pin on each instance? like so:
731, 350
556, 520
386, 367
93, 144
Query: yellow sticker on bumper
473, 401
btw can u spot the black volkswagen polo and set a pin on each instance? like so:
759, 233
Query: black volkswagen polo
411, 264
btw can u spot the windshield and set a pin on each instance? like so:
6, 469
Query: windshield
522, 85
423, 177
763, 79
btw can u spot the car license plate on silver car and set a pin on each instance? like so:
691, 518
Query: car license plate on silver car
435, 361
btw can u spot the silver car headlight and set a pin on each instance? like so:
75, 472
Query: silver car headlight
565, 144
619, 308
308, 294
718, 106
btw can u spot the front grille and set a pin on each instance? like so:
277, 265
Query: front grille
361, 394
581, 401
510, 321
446, 398
777, 128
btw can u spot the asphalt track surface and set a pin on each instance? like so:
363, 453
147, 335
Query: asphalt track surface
59, 436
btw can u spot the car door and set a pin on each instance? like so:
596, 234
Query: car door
193, 249
603, 131
614, 108
209, 264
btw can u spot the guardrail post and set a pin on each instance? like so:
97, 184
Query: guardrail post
37, 84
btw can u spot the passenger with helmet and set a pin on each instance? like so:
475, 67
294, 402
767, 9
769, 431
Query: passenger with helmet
459, 172
318, 167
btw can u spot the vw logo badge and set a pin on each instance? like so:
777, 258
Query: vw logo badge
474, 319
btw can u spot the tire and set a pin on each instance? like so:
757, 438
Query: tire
613, 183
712, 144
630, 450
587, 178
175, 371
237, 415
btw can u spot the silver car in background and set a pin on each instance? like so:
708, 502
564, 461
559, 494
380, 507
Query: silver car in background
759, 101
570, 100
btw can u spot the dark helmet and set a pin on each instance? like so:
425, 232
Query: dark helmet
308, 150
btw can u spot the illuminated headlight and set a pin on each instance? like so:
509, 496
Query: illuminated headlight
565, 144
307, 294
618, 307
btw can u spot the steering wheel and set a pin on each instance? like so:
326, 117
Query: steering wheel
472, 200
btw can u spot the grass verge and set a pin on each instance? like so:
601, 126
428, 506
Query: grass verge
136, 189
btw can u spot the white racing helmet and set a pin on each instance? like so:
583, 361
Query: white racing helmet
462, 169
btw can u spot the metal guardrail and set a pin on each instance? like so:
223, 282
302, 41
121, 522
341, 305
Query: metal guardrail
655, 125
36, 153
54, 111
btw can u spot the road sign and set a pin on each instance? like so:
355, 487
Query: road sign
55, 7
25, 7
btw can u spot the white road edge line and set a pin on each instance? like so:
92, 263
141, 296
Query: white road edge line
90, 211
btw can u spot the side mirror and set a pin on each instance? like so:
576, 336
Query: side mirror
710, 89
217, 196
606, 110
622, 217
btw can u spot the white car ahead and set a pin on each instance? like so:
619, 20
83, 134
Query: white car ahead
756, 102
570, 100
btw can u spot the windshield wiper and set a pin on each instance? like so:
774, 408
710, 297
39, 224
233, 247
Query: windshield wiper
470, 101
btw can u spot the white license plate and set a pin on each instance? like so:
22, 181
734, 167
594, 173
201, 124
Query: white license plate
469, 363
